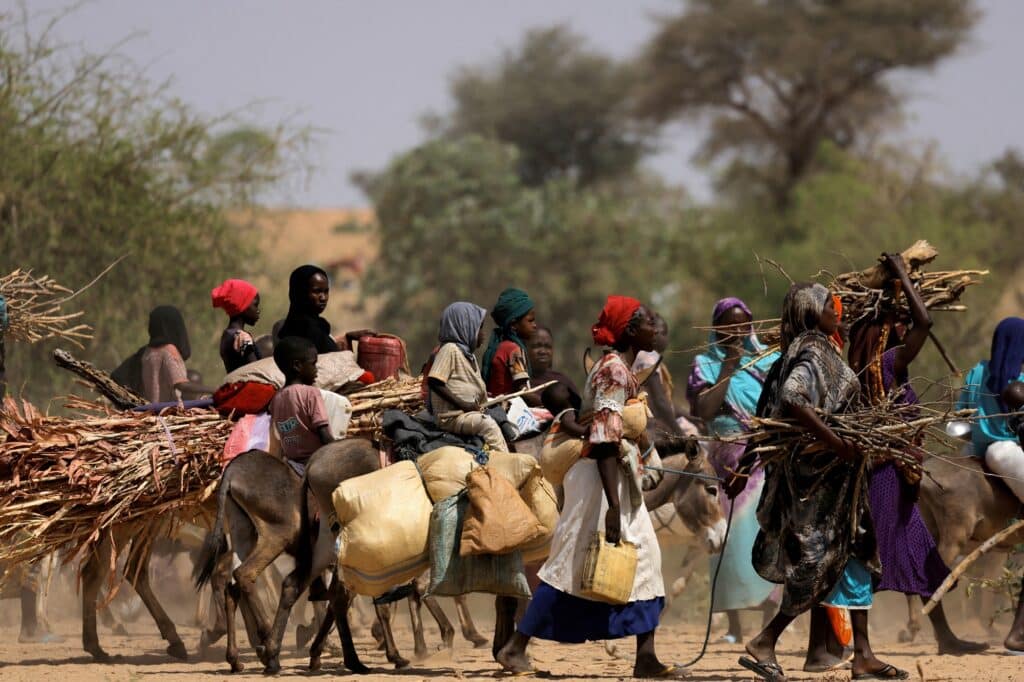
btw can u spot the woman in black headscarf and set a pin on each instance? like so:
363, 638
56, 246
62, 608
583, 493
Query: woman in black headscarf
308, 291
157, 370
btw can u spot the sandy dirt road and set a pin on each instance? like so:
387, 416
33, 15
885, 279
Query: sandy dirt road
144, 658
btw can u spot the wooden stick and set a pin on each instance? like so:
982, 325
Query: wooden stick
121, 397
525, 391
967, 561
943, 353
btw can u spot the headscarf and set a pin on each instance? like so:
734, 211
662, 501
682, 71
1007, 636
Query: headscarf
303, 319
166, 325
614, 318
233, 296
837, 336
746, 384
801, 310
460, 324
1007, 356
513, 304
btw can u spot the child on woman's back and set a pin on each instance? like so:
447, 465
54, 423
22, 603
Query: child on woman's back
457, 391
297, 410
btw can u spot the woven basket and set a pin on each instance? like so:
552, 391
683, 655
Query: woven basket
608, 571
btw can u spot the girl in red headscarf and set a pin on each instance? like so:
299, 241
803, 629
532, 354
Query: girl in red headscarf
602, 494
241, 301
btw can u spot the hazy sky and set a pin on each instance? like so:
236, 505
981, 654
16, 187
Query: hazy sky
361, 73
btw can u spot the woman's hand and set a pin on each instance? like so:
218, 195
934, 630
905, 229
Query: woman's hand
846, 451
612, 526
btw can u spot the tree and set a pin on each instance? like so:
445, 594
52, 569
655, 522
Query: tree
780, 77
457, 223
565, 107
99, 164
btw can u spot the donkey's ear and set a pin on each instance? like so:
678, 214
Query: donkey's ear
588, 362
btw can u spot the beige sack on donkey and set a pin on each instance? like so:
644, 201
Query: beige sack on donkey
445, 470
498, 521
540, 497
334, 370
385, 520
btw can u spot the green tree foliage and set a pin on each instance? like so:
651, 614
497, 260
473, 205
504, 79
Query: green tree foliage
777, 78
98, 164
457, 223
562, 104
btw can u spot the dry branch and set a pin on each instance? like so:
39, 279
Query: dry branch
121, 397
34, 310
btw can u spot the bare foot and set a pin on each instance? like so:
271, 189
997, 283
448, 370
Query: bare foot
961, 647
1014, 642
513, 660
761, 649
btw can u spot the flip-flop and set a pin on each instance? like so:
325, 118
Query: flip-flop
1013, 652
670, 672
772, 672
889, 672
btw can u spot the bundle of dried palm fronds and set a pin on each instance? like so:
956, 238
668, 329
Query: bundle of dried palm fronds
34, 309
368, 405
65, 481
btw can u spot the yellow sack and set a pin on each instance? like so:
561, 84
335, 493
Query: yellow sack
517, 467
634, 417
498, 521
608, 571
539, 496
445, 470
385, 524
559, 453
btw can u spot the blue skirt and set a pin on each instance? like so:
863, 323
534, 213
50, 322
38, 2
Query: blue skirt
854, 589
560, 617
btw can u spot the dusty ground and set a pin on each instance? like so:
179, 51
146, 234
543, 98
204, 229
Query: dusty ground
143, 656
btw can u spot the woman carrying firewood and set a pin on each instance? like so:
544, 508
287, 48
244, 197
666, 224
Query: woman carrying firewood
817, 537
881, 350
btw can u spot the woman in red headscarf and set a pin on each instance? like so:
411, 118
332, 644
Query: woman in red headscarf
241, 301
603, 493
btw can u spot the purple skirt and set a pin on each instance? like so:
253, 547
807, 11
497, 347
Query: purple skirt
561, 617
910, 560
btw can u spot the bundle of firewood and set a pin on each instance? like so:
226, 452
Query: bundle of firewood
368, 405
885, 432
867, 293
65, 481
34, 310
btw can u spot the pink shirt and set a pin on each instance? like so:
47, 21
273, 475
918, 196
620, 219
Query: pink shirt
162, 370
297, 411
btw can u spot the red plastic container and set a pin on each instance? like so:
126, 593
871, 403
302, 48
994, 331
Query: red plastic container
383, 355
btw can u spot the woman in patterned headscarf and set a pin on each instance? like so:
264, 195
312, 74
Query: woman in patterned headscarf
816, 538
724, 387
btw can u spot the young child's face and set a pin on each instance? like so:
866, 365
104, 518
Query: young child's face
661, 334
251, 315
526, 327
541, 349
319, 291
305, 368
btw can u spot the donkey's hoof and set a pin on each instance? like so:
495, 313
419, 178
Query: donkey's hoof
400, 663
237, 666
314, 663
478, 641
177, 650
100, 656
273, 667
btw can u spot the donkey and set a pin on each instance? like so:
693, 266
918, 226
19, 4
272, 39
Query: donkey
962, 507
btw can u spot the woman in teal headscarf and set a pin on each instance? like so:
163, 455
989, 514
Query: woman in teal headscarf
724, 387
505, 367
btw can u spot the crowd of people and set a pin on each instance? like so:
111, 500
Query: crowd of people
822, 528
